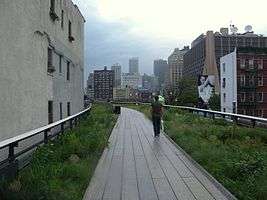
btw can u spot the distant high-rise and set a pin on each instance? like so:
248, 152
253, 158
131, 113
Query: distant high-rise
117, 70
160, 70
133, 81
103, 84
134, 65
90, 86
176, 63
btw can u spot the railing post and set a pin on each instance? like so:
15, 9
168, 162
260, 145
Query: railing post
235, 119
46, 136
75, 121
253, 122
71, 126
62, 128
11, 153
213, 116
205, 114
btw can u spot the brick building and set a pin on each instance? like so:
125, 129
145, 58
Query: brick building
244, 82
103, 84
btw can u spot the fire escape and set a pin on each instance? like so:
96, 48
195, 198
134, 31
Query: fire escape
247, 88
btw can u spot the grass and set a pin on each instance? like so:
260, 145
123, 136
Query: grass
62, 169
236, 156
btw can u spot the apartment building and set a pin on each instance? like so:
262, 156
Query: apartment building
42, 63
244, 82
175, 67
104, 84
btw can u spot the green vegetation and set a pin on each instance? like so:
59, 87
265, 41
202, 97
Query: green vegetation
236, 156
186, 94
215, 102
62, 169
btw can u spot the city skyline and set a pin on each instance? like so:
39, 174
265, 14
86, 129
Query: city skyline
117, 35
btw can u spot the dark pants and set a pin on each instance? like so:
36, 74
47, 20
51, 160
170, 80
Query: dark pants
156, 124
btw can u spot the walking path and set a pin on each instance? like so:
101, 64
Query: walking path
137, 166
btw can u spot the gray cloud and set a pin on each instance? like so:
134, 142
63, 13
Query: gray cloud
107, 43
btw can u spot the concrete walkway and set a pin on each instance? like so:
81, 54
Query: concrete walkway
136, 166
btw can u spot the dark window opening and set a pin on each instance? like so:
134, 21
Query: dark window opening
60, 110
60, 64
71, 38
52, 13
68, 109
224, 83
50, 112
52, 5
68, 71
62, 18
50, 67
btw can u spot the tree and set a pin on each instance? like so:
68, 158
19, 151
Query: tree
186, 94
215, 102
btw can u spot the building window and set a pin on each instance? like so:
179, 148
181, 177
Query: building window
60, 64
52, 6
71, 38
243, 97
260, 97
52, 12
224, 97
242, 64
251, 80
251, 64
260, 64
50, 67
260, 81
50, 112
68, 71
242, 80
251, 97
223, 83
68, 109
62, 19
223, 67
260, 113
60, 111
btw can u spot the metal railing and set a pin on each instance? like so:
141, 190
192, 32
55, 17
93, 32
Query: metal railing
236, 118
48, 133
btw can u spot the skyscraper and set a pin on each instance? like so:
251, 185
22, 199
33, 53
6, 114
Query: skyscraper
90, 86
176, 63
134, 66
160, 70
117, 70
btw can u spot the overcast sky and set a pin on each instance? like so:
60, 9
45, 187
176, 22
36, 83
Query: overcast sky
116, 30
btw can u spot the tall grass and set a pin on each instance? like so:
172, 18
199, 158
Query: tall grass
236, 156
62, 168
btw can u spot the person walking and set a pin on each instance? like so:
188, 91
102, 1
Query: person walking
156, 112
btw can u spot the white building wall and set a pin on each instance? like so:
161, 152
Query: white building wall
133, 81
230, 89
25, 86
